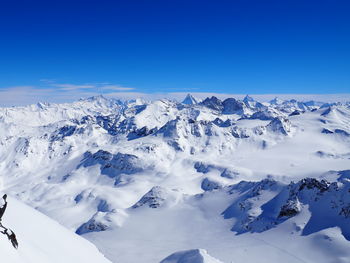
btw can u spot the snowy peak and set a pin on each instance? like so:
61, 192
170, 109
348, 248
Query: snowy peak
103, 221
264, 205
213, 103
251, 103
190, 100
154, 198
232, 106
266, 113
280, 125
157, 197
190, 256
228, 106
102, 100
276, 101
248, 99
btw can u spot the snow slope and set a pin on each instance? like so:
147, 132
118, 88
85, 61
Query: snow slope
190, 256
43, 240
316, 231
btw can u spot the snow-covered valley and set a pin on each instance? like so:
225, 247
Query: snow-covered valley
219, 181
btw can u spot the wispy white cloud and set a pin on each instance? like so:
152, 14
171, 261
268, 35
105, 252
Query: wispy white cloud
24, 95
52, 91
47, 80
100, 87
72, 86
115, 88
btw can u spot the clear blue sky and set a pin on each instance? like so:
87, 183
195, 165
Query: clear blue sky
247, 46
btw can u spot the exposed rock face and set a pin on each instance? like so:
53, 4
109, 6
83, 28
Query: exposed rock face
291, 208
142, 132
248, 100
170, 129
328, 203
266, 114
99, 222
224, 172
113, 165
326, 131
190, 100
213, 103
280, 125
240, 133
209, 185
221, 123
159, 197
327, 111
63, 132
312, 183
227, 173
342, 132
203, 168
190, 256
153, 199
296, 112
345, 211
251, 103
231, 106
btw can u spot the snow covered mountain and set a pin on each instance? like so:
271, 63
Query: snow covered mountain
190, 100
193, 256
237, 178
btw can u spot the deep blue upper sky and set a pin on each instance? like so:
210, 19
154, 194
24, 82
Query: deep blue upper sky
248, 46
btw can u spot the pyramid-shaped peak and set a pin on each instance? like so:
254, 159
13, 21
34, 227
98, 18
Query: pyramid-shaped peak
190, 100
247, 98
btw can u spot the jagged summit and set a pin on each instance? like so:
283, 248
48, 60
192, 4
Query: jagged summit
280, 125
213, 103
96, 97
248, 99
276, 101
252, 103
190, 100
42, 105
102, 100
154, 198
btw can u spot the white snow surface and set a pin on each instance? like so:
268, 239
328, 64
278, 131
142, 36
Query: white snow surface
190, 256
42, 240
146, 179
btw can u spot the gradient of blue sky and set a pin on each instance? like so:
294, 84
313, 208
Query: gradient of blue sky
237, 46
